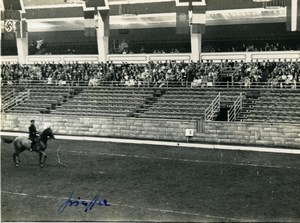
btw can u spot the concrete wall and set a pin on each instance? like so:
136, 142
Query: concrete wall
283, 135
97, 126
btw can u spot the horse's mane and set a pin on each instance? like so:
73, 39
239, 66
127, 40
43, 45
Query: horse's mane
46, 130
45, 133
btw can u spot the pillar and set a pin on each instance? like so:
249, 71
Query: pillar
102, 37
197, 21
196, 43
22, 46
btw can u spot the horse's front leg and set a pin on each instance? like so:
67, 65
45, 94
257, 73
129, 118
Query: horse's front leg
43, 157
16, 159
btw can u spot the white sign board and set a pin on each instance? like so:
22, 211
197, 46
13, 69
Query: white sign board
189, 132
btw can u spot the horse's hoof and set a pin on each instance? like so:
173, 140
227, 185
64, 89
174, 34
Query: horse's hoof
41, 165
17, 165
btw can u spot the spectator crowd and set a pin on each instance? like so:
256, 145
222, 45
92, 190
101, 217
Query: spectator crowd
231, 46
281, 73
157, 74
249, 47
154, 74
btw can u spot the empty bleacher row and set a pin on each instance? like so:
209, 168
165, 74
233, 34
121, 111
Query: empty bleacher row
96, 101
276, 106
43, 98
187, 103
168, 103
176, 103
106, 101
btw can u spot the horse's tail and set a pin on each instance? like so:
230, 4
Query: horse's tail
9, 140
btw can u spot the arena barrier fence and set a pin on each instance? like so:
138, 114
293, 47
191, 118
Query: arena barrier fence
235, 109
148, 84
291, 55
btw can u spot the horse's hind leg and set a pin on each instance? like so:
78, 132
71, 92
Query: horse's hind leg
43, 157
16, 159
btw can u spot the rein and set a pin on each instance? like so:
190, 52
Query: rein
44, 138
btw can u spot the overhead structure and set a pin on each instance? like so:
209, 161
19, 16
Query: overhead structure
191, 15
97, 17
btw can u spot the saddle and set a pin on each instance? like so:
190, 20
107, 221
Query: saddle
33, 144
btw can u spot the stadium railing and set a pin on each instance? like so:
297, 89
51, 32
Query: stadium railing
213, 108
235, 109
16, 100
149, 84
145, 58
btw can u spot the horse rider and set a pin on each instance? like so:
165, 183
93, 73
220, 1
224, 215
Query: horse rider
33, 134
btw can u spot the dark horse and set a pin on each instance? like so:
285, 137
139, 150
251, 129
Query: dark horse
22, 143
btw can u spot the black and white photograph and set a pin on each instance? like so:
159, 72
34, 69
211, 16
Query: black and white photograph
150, 110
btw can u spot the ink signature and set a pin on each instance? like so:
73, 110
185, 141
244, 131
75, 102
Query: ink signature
88, 205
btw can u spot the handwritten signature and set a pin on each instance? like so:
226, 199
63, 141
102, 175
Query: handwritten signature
88, 205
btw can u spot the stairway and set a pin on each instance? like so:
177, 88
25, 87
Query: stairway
149, 102
248, 104
65, 99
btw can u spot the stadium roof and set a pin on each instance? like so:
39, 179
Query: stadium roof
59, 15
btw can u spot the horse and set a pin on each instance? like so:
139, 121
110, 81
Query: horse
22, 143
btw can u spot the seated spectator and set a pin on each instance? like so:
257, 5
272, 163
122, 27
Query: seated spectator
130, 82
283, 80
196, 83
93, 82
294, 84
160, 83
289, 79
49, 80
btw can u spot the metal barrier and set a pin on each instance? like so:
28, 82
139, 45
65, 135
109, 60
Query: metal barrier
8, 95
213, 108
235, 109
145, 58
17, 100
148, 84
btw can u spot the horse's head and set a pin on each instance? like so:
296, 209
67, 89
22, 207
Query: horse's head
48, 133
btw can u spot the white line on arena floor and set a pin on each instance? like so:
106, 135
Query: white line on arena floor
164, 143
182, 160
134, 207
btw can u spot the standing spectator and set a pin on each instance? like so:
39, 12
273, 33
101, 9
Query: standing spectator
39, 44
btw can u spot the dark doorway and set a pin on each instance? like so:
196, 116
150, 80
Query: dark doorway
223, 114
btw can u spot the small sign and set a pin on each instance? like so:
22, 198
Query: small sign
123, 31
189, 132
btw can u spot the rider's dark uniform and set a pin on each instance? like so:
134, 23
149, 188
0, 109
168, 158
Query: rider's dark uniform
33, 134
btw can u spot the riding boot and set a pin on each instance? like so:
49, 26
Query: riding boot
33, 146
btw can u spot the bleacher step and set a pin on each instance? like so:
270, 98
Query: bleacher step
247, 112
136, 115
142, 110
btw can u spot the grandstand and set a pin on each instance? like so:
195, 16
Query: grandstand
161, 89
